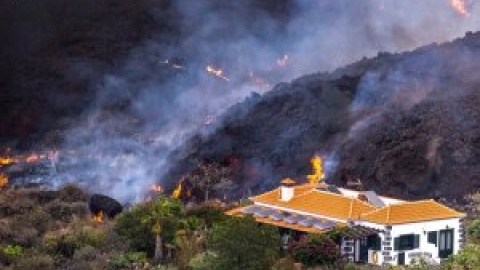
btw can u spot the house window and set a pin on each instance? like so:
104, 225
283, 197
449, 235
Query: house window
374, 242
432, 237
407, 242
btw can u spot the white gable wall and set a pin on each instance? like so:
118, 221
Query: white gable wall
421, 228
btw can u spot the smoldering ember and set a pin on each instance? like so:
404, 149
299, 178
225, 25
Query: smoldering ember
212, 134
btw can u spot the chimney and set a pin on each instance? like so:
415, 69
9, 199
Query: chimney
286, 189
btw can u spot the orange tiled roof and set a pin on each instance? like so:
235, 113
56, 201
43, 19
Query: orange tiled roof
316, 202
408, 212
283, 224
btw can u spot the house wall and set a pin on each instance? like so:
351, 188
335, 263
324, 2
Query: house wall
390, 256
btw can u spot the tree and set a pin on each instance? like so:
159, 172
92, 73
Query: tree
163, 210
130, 227
240, 243
210, 177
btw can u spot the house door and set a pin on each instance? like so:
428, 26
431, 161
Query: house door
362, 250
445, 243
401, 258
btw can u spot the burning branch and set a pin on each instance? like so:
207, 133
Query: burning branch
217, 72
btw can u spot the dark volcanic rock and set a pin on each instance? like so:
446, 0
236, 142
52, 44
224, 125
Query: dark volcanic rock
101, 203
406, 124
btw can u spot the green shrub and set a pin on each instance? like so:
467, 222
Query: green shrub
129, 259
86, 253
38, 219
92, 236
13, 251
201, 261
241, 244
315, 250
66, 243
10, 254
210, 214
468, 258
35, 262
286, 263
130, 227
473, 231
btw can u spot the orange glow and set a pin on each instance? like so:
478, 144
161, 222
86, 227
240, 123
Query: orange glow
98, 217
3, 180
178, 191
318, 174
217, 72
33, 158
460, 7
6, 161
157, 188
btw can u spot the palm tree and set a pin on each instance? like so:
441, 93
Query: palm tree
163, 210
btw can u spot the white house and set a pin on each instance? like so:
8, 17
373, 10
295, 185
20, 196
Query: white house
383, 231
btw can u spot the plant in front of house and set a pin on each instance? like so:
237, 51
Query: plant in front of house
314, 250
473, 231
241, 244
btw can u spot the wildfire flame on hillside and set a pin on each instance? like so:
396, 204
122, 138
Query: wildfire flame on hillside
6, 161
178, 191
460, 7
217, 72
30, 158
3, 181
98, 217
318, 173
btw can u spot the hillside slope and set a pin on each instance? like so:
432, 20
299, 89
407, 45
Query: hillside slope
404, 124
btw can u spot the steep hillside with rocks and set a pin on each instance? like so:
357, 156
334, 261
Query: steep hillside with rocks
404, 124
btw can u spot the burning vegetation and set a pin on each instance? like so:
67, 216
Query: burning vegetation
3, 181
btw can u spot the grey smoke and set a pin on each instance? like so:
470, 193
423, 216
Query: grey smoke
139, 117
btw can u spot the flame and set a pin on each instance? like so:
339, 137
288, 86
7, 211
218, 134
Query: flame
217, 72
318, 174
178, 191
157, 188
460, 7
33, 158
3, 180
98, 217
283, 61
6, 161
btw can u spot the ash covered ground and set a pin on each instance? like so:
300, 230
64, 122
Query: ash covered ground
118, 95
